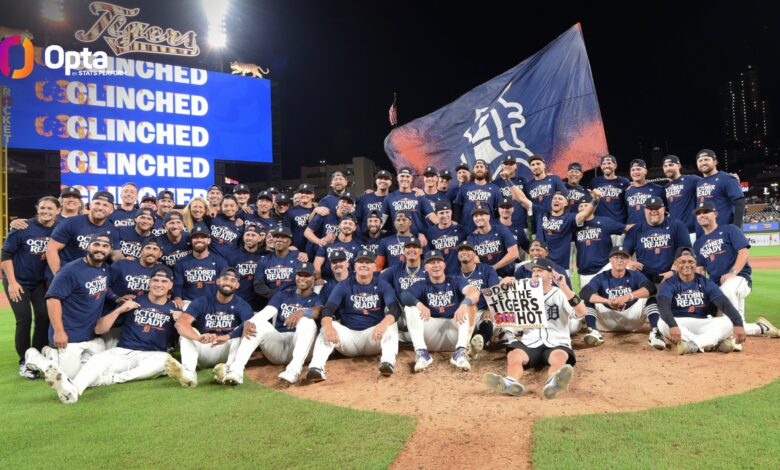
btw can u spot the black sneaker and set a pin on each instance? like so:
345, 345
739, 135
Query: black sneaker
386, 369
315, 375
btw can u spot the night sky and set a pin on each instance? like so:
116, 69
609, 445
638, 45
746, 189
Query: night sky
658, 69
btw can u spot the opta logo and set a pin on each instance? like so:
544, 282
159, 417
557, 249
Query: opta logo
5, 57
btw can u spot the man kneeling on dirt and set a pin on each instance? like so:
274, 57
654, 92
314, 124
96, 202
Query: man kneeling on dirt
539, 347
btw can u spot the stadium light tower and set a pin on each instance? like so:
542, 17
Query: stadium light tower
216, 14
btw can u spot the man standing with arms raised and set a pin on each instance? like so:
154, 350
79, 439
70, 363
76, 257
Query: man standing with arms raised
612, 188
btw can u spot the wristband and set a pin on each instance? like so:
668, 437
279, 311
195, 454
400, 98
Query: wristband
308, 313
468, 302
574, 301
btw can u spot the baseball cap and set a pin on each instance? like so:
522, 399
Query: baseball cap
466, 244
103, 196
575, 166
215, 187
671, 159
152, 241
172, 215
431, 171
305, 188
383, 174
654, 202
541, 243
337, 173
348, 216
149, 197
337, 255
282, 199
535, 157
585, 198
163, 271
281, 232
480, 160
543, 263
608, 158
347, 197
461, 166
240, 188
445, 174
198, 231
414, 241
374, 214
165, 194
684, 251
305, 268
249, 227
99, 237
619, 250
273, 190
265, 195
705, 207
705, 153
434, 255
70, 191
480, 210
144, 211
509, 160
442, 206
505, 202
365, 255
229, 271
638, 162
406, 171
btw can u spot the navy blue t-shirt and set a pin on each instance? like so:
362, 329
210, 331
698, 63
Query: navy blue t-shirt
350, 248
322, 226
81, 289
606, 285
246, 263
392, 248
225, 237
122, 218
277, 273
612, 203
721, 189
173, 252
655, 245
446, 240
74, 232
287, 302
368, 243
150, 327
367, 203
483, 276
417, 207
127, 276
718, 251
27, 249
331, 201
297, 219
691, 299
442, 299
636, 197
558, 231
524, 271
594, 242
575, 192
130, 242
681, 197
362, 306
520, 215
211, 316
197, 277
518, 232
158, 229
541, 191
401, 277
493, 246
473, 195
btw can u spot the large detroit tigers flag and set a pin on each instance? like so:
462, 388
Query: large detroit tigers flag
546, 105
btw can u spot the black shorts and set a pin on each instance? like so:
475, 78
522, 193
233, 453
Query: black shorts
539, 357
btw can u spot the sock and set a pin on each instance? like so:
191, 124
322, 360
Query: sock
485, 329
590, 320
653, 319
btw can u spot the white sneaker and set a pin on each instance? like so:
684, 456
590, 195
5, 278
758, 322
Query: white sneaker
233, 379
36, 361
476, 345
66, 390
289, 377
558, 381
687, 347
460, 359
423, 360
737, 347
506, 385
655, 340
725, 345
176, 371
593, 337
767, 328
220, 371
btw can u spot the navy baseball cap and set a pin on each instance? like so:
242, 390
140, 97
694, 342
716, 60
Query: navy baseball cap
198, 231
684, 251
505, 202
215, 187
465, 244
461, 166
654, 201
638, 162
434, 255
365, 255
413, 241
347, 197
575, 166
265, 195
374, 214
348, 216
149, 197
442, 206
406, 171
144, 211
480, 160
383, 174
535, 157
103, 196
172, 215
431, 171
273, 190
543, 263
282, 199
241, 188
671, 159
541, 243
705, 153
509, 160
337, 255
230, 272
305, 188
619, 250
70, 191
152, 241
165, 194
585, 198
705, 207
253, 228
281, 232
608, 158
445, 174
480, 210
337, 173
164, 272
99, 237
305, 268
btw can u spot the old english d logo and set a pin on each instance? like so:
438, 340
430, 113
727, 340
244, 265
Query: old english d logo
5, 57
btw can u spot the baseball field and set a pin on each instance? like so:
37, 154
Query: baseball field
628, 407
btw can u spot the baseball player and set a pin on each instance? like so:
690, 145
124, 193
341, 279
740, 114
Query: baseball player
538, 249
506, 210
242, 194
340, 267
543, 186
323, 229
367, 310
446, 235
196, 274
509, 178
612, 188
576, 191
131, 239
477, 193
479, 275
175, 244
276, 270
681, 194
344, 241
430, 190
406, 200
373, 235
165, 204
246, 261
443, 186
462, 175
75, 302
403, 276
687, 302
124, 215
440, 313
141, 352
722, 253
594, 241
493, 242
640, 191
24, 283
338, 186
284, 331
264, 214
226, 230
616, 300
219, 321
390, 251
214, 198
719, 188
541, 347
297, 218
372, 201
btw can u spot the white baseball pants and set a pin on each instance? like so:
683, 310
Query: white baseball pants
704, 332
736, 290
631, 319
195, 354
72, 358
356, 343
278, 348
120, 365
436, 334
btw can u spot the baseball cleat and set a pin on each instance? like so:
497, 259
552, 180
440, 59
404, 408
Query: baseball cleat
386, 369
725, 345
176, 371
767, 328
66, 390
476, 345
232, 379
506, 385
593, 337
286, 376
220, 371
35, 361
315, 375
558, 381
460, 359
655, 340
423, 360
687, 347
29, 373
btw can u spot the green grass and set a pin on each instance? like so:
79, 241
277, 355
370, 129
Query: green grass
738, 431
758, 251
157, 423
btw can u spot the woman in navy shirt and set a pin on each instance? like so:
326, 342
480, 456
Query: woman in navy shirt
24, 262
